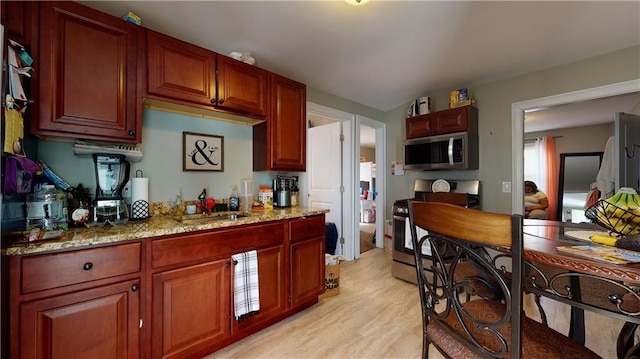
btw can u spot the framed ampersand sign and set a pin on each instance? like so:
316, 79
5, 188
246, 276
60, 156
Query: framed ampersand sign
202, 152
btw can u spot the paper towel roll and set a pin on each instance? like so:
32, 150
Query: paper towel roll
139, 192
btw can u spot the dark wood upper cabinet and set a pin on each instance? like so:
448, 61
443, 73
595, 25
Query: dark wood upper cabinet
87, 74
453, 120
184, 73
180, 71
16, 18
241, 87
419, 126
280, 143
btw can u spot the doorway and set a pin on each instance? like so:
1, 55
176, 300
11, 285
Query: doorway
345, 173
517, 127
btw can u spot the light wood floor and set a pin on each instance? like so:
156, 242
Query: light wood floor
378, 316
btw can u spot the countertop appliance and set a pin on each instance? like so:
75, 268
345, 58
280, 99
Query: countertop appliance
112, 174
457, 151
463, 193
282, 186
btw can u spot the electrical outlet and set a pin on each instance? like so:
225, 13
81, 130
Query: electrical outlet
506, 187
126, 191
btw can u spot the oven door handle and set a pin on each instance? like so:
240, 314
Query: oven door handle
450, 151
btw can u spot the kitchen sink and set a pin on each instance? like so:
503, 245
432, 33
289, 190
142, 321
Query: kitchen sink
211, 217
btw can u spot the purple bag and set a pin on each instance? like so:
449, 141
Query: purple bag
19, 173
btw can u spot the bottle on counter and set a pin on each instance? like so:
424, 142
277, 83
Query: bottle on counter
294, 197
234, 199
179, 208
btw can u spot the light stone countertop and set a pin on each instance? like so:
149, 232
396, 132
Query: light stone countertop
159, 225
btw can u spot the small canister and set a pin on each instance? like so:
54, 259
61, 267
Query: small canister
424, 105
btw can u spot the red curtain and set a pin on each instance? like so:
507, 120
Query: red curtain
552, 177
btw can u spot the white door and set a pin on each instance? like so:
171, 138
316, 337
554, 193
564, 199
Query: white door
325, 175
627, 156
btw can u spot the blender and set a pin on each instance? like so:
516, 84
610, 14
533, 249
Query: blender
112, 174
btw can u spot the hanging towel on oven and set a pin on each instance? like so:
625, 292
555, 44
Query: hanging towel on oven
246, 293
408, 243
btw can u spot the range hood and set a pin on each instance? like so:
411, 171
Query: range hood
212, 114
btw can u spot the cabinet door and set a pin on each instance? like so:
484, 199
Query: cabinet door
179, 70
280, 142
88, 74
96, 323
307, 271
191, 309
16, 18
452, 120
271, 283
241, 87
419, 126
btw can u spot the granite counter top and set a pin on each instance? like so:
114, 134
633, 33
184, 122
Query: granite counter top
159, 225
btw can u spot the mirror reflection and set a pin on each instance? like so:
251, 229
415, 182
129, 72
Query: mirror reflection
577, 177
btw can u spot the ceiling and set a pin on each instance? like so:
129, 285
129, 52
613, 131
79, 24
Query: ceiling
585, 113
385, 53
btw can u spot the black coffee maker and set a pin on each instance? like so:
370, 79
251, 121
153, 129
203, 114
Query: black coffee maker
112, 174
282, 186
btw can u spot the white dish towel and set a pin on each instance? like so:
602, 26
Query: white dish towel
408, 243
246, 293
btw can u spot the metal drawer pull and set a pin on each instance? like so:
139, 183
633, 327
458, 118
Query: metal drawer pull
87, 266
134, 288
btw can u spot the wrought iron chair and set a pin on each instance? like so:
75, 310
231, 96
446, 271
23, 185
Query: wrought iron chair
486, 326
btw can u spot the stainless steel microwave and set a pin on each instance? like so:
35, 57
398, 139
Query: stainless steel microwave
456, 151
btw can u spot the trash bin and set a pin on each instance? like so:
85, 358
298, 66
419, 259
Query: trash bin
331, 237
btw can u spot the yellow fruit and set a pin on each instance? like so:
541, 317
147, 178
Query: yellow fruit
619, 212
621, 227
606, 240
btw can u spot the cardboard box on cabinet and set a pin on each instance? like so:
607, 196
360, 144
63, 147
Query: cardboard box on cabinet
331, 275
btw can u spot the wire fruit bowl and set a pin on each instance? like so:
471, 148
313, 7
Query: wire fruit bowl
614, 218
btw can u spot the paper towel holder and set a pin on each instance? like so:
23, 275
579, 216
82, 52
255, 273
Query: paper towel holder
139, 208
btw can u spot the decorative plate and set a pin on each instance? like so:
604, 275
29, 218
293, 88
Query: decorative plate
440, 186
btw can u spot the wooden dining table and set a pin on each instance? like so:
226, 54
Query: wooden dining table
584, 283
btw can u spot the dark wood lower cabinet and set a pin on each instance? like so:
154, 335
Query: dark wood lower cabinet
190, 309
272, 289
307, 279
96, 323
165, 297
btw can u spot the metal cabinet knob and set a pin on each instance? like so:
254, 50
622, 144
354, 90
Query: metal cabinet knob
132, 133
87, 266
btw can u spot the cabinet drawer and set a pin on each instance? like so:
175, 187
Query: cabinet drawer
307, 228
195, 248
62, 269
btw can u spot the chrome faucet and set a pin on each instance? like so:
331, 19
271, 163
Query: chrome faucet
203, 200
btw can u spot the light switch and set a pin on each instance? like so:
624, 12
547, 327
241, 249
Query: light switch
506, 187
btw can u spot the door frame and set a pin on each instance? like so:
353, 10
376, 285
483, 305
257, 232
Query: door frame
346, 238
517, 127
349, 239
381, 195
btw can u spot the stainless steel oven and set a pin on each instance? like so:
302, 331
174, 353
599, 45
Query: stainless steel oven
464, 193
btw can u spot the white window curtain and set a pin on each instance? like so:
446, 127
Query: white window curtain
535, 162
